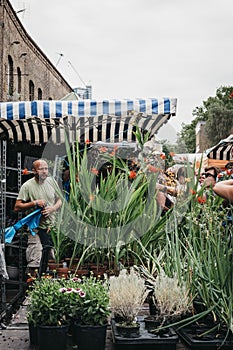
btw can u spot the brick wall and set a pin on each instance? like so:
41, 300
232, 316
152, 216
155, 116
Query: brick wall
25, 71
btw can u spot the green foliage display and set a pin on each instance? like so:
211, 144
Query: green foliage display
55, 302
48, 306
89, 300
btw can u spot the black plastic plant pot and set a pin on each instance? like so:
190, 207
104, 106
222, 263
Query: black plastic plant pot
146, 340
33, 334
151, 323
89, 337
194, 338
52, 337
132, 331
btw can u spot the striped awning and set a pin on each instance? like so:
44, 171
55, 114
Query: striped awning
38, 122
223, 150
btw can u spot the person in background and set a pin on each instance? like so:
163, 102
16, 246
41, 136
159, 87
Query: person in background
66, 183
224, 189
201, 177
41, 191
210, 176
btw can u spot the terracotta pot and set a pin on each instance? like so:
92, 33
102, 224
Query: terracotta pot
63, 272
82, 272
52, 265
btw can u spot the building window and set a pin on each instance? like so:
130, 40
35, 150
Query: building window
10, 76
31, 91
19, 76
39, 94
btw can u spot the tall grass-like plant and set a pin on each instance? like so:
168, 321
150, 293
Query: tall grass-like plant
200, 250
127, 293
107, 212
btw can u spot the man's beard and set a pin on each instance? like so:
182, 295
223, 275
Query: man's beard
42, 178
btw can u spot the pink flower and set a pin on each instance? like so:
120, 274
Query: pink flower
76, 279
82, 294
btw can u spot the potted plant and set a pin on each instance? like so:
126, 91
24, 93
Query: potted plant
89, 310
127, 293
208, 255
169, 298
48, 313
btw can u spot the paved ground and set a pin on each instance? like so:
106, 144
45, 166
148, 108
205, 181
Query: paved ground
16, 335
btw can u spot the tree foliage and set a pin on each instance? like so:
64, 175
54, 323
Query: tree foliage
217, 112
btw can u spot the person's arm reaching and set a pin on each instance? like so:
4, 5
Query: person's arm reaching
224, 189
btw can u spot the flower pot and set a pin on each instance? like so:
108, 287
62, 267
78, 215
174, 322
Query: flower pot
146, 341
151, 323
89, 337
81, 272
52, 265
62, 272
193, 335
131, 331
33, 337
52, 337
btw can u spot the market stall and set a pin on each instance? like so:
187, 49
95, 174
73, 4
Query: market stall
37, 122
220, 154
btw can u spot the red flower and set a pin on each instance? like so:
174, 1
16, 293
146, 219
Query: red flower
231, 95
94, 171
25, 171
172, 154
132, 174
192, 191
103, 149
220, 175
112, 154
163, 156
152, 168
87, 142
201, 200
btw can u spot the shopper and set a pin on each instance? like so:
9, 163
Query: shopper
224, 189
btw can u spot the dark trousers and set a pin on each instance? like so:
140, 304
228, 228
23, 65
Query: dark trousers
47, 244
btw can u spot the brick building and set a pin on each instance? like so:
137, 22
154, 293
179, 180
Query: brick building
201, 139
26, 74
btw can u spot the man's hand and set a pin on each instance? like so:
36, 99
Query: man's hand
47, 211
40, 203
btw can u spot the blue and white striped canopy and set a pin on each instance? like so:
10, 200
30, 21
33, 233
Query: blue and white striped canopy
107, 120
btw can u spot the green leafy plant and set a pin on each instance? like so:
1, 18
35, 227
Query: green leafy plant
47, 304
107, 209
88, 300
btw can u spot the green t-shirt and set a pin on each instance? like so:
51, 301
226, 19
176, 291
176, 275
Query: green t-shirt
31, 190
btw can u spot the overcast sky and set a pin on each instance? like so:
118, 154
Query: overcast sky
137, 48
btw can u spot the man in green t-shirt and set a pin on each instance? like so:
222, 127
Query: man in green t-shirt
41, 191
